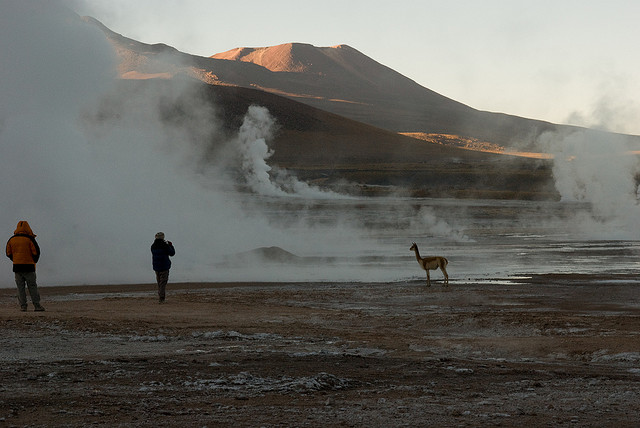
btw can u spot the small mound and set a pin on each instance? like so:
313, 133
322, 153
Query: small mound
264, 254
274, 254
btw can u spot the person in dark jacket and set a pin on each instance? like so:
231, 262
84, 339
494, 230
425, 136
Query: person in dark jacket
161, 250
24, 252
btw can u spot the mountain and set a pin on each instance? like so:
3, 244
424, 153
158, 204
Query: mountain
336, 79
341, 154
340, 114
342, 80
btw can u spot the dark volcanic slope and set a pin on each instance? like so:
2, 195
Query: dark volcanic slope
310, 136
328, 149
337, 79
342, 80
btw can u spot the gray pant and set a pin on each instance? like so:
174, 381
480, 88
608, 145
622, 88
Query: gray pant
162, 278
27, 279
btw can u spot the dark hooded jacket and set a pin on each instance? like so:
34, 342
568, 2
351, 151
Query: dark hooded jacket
161, 250
22, 248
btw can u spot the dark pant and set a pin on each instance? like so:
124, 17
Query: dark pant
27, 279
162, 278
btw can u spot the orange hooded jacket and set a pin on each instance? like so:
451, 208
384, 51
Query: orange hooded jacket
22, 248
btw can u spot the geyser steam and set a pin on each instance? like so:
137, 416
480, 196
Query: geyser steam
97, 172
95, 193
256, 129
600, 170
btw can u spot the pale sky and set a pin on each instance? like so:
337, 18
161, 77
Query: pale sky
565, 61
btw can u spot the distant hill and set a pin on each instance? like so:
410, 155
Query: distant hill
342, 80
340, 114
337, 79
348, 156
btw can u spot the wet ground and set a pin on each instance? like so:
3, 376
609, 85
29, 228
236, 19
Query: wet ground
550, 350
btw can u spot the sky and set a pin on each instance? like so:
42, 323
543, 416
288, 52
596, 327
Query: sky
564, 61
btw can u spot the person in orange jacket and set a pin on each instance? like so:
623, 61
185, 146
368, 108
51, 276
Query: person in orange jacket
24, 252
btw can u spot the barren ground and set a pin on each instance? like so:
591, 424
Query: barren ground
552, 350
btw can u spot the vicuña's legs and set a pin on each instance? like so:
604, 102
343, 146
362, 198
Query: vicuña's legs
446, 275
428, 278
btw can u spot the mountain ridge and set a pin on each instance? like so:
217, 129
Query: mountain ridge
336, 127
335, 60
386, 99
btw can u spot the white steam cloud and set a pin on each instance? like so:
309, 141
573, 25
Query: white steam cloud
96, 188
256, 128
98, 170
427, 220
598, 169
615, 110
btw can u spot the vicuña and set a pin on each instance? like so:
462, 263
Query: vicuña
431, 263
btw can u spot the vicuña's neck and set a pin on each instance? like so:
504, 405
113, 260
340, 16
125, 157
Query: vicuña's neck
417, 253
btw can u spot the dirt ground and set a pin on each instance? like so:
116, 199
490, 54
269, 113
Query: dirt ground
547, 351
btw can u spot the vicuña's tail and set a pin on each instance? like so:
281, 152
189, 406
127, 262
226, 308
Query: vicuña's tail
445, 262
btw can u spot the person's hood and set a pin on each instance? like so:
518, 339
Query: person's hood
23, 228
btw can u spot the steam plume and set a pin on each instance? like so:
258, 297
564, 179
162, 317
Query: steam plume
598, 169
256, 129
98, 171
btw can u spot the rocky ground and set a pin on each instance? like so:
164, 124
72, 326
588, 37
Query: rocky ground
546, 351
